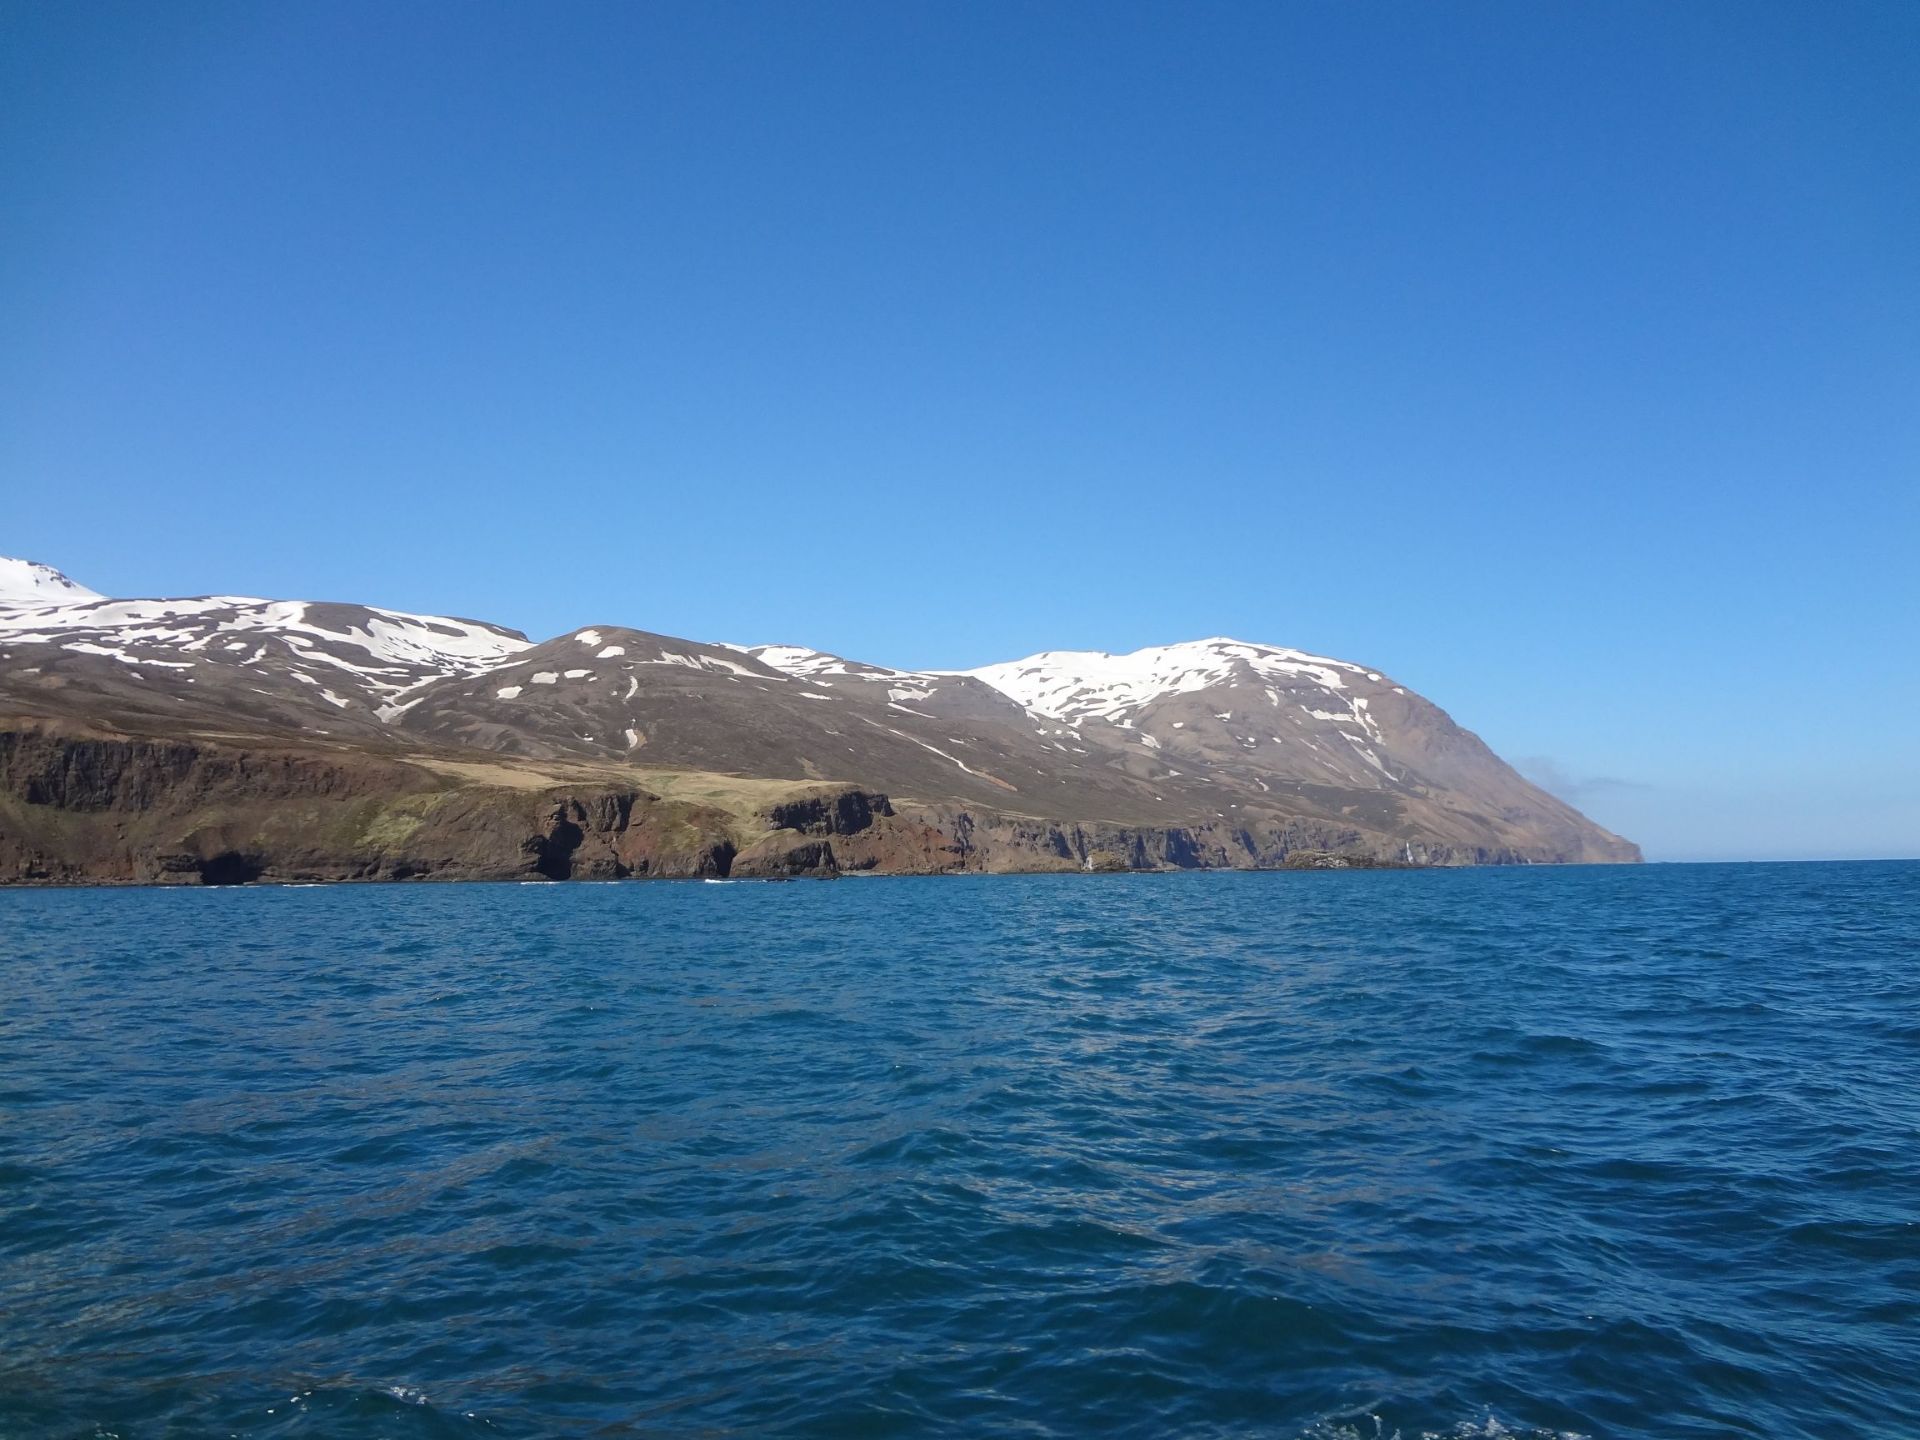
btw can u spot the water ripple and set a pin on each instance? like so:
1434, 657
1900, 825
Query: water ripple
1596, 1152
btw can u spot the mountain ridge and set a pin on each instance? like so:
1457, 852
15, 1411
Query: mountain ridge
1252, 747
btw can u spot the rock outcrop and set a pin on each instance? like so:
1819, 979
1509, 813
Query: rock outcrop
96, 807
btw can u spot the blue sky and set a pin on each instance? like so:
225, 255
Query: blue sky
1562, 360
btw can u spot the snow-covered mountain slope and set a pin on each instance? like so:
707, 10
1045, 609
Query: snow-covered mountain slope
1269, 723
1081, 685
805, 664
1215, 732
385, 648
27, 585
251, 656
1263, 712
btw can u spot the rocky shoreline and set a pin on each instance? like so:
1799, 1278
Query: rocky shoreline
96, 807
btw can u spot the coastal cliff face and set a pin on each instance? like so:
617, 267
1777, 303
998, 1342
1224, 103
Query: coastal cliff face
101, 808
226, 738
118, 809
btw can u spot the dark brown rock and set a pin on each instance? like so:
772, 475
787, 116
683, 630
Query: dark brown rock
785, 854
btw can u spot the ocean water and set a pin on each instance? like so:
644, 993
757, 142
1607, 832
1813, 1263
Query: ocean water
1600, 1152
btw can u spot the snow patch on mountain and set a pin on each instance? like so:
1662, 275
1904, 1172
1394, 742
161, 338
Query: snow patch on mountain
802, 663
792, 659
27, 584
1080, 685
386, 639
384, 651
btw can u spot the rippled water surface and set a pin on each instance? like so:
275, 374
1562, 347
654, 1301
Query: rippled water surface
1617, 1152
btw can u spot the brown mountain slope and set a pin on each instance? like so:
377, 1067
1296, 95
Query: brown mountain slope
1208, 753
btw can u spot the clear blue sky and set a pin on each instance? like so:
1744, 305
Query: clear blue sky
1563, 360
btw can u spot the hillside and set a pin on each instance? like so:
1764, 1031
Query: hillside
241, 727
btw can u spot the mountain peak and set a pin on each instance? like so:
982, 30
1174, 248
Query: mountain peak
27, 584
1077, 685
805, 663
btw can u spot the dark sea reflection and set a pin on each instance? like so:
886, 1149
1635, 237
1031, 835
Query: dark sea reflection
1616, 1152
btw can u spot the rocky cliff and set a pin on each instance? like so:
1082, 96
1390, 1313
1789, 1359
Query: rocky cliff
224, 738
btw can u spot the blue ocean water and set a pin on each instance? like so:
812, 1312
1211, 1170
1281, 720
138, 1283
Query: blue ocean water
1605, 1152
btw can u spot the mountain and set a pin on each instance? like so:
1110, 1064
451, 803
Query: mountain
153, 738
26, 584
